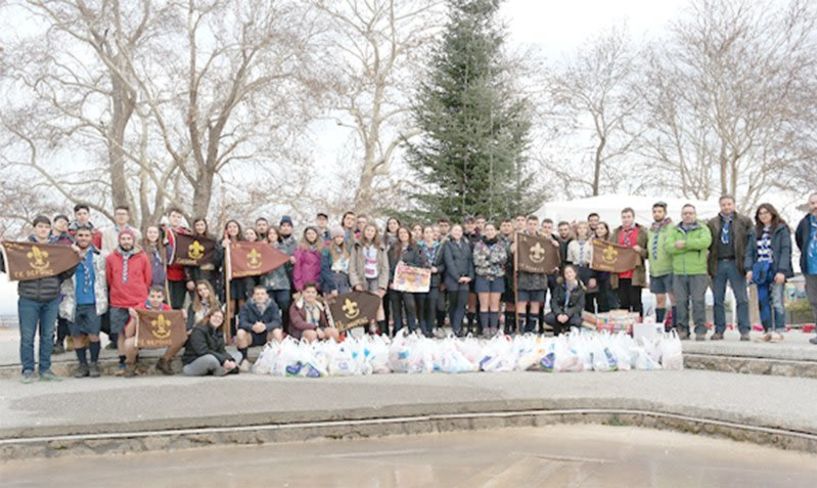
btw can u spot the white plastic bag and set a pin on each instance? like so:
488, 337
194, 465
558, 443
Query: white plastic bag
671, 351
498, 355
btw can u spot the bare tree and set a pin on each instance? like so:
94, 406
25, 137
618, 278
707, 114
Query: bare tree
727, 96
159, 98
593, 114
376, 49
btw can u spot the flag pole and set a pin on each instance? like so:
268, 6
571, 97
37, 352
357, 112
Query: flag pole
164, 261
227, 279
515, 249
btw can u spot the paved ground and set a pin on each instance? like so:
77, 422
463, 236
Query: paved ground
563, 456
157, 402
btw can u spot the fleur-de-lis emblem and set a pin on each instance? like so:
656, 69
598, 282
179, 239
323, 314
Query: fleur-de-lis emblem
195, 250
161, 327
610, 254
38, 259
537, 253
254, 259
351, 309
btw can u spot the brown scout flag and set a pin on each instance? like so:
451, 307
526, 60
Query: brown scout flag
193, 250
157, 329
536, 254
613, 258
254, 259
354, 309
31, 260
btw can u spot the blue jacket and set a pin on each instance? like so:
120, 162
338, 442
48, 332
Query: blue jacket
250, 314
781, 251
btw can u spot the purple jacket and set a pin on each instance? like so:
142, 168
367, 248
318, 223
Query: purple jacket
307, 268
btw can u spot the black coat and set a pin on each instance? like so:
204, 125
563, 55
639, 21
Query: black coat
205, 340
459, 262
575, 303
411, 255
250, 314
801, 236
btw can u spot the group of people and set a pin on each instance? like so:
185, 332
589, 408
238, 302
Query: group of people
474, 287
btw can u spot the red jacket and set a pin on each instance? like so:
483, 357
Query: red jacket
175, 272
134, 292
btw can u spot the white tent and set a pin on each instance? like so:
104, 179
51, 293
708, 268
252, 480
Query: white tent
609, 208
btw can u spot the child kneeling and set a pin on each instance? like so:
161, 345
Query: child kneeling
567, 302
307, 317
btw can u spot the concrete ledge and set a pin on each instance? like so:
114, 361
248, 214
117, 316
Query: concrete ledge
751, 365
128, 438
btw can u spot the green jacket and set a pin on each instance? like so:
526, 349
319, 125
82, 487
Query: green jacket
692, 259
660, 260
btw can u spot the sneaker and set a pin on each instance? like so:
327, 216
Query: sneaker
130, 371
27, 378
111, 346
58, 349
745, 337
163, 365
813, 340
244, 367
82, 371
717, 336
94, 371
120, 370
49, 375
700, 337
766, 337
683, 334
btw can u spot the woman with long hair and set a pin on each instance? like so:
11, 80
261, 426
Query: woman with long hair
490, 256
238, 292
204, 353
369, 270
207, 271
605, 298
768, 264
335, 260
159, 255
459, 272
404, 250
204, 302
279, 288
307, 256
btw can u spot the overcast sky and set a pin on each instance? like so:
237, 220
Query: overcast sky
555, 28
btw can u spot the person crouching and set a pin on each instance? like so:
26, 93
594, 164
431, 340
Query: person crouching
308, 317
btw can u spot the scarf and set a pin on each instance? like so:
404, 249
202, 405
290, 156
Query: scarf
430, 252
312, 313
656, 229
629, 233
87, 265
764, 246
582, 260
126, 255
726, 229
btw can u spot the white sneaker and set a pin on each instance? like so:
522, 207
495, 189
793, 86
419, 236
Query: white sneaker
244, 367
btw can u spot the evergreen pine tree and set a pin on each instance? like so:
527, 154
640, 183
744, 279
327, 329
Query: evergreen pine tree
470, 158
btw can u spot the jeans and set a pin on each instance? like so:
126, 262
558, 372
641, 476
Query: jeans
36, 315
811, 293
728, 272
207, 364
691, 288
770, 303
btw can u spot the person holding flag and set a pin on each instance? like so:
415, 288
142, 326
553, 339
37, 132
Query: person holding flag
630, 283
39, 299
